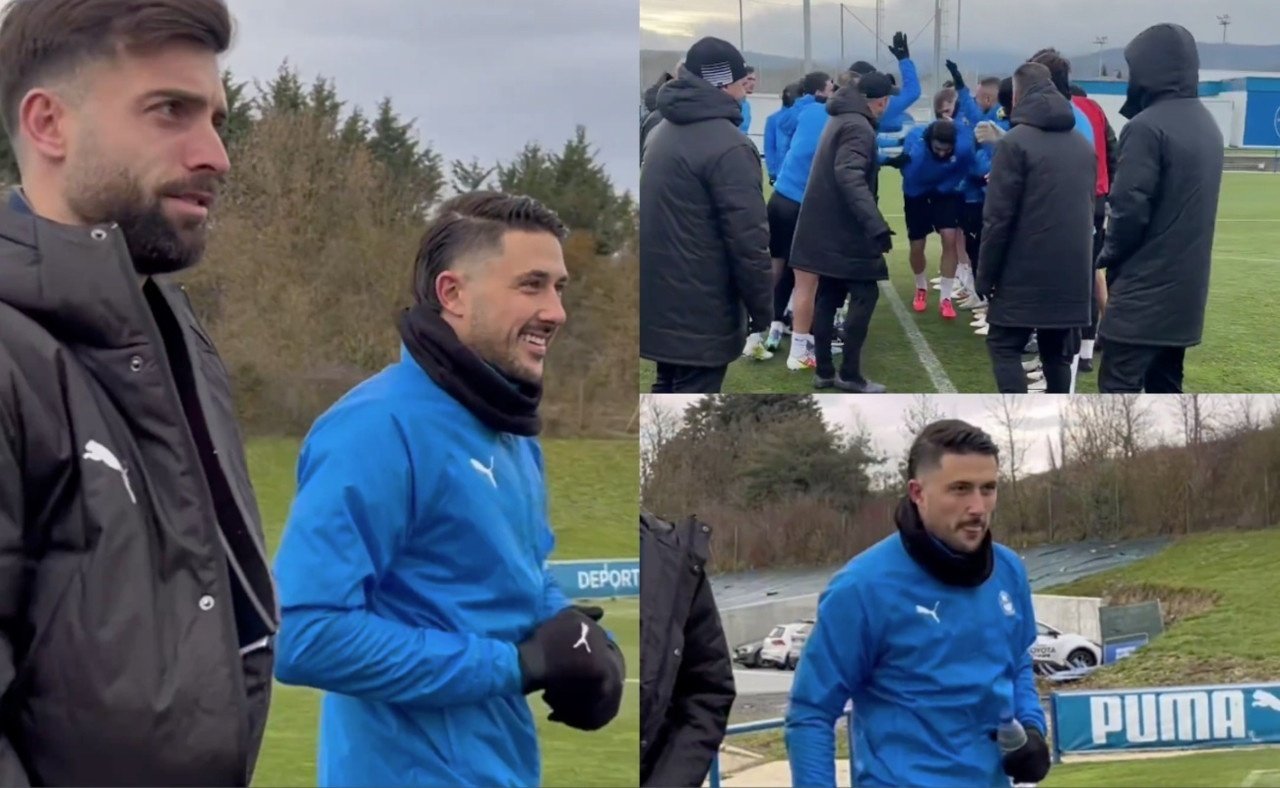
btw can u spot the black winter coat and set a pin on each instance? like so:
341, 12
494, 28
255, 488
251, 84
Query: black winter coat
704, 231
129, 652
1164, 197
1036, 260
686, 682
840, 232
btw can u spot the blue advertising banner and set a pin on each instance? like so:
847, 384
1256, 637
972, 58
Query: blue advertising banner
1262, 113
597, 578
1120, 648
1232, 715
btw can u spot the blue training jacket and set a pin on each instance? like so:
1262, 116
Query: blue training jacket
772, 158
927, 692
975, 185
412, 564
787, 126
895, 114
746, 116
793, 177
926, 174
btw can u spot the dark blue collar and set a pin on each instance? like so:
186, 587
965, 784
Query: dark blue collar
18, 203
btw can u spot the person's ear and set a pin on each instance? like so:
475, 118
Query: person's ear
915, 491
43, 123
451, 292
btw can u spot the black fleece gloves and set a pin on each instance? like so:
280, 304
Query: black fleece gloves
579, 670
1030, 762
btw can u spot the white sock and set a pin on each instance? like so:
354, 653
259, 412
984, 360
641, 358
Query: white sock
777, 325
800, 345
921, 282
1086, 348
966, 277
947, 284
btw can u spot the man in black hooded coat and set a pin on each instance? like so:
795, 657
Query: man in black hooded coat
1163, 209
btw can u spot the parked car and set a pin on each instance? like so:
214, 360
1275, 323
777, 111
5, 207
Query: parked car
777, 651
1058, 650
748, 654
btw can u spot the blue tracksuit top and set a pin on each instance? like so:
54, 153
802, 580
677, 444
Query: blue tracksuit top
794, 175
925, 174
967, 108
895, 114
746, 116
772, 157
413, 562
975, 185
927, 693
787, 126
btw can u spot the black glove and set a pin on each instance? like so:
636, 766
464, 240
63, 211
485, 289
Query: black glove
899, 161
899, 48
885, 240
1030, 762
579, 668
955, 74
772, 179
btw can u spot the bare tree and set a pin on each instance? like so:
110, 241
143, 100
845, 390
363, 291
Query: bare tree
1008, 412
659, 423
1132, 423
1198, 424
922, 412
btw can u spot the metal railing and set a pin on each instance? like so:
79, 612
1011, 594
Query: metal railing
759, 726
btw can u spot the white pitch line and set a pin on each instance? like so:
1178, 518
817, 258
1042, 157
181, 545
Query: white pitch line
1245, 259
928, 360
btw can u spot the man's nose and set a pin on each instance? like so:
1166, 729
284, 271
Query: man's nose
552, 310
207, 151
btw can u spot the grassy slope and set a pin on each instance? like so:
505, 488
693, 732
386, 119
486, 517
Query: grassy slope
593, 506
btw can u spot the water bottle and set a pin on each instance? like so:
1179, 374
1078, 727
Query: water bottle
1010, 735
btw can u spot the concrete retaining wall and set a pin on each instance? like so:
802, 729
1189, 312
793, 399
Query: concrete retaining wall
1077, 615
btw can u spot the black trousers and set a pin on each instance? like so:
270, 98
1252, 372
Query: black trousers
1057, 347
862, 303
782, 293
1099, 238
683, 379
971, 226
1130, 369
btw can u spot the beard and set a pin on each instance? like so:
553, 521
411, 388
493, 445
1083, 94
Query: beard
156, 243
500, 351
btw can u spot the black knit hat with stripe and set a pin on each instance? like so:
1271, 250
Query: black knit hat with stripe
717, 61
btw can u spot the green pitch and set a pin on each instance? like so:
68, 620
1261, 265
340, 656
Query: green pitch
593, 509
1239, 331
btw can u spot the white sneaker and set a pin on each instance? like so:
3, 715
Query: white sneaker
937, 280
774, 340
806, 363
755, 348
1039, 387
979, 323
973, 302
1032, 365
1035, 376
961, 295
982, 332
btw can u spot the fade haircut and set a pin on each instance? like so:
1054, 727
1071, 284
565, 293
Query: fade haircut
949, 436
43, 40
475, 223
990, 82
1029, 74
942, 98
790, 93
813, 82
1059, 68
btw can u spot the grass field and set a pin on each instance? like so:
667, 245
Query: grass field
593, 507
1239, 329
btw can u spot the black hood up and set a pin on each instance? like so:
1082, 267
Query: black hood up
1044, 107
691, 99
1163, 64
967, 570
849, 101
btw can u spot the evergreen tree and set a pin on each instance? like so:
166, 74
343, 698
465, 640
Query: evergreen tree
283, 94
470, 176
239, 111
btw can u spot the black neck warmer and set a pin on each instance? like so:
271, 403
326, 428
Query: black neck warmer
502, 404
955, 569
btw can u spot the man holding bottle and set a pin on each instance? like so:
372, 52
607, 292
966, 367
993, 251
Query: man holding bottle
928, 633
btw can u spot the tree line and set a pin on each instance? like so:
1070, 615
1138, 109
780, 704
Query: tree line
784, 487
312, 246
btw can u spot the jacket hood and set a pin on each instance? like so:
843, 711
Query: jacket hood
77, 282
1044, 107
849, 101
1163, 64
691, 99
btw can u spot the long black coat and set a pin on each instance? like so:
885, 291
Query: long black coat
704, 230
120, 607
840, 227
686, 681
1036, 260
1164, 197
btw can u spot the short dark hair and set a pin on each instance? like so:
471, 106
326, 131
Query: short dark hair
990, 82
1031, 73
813, 82
948, 436
790, 93
1005, 95
471, 223
1076, 90
42, 39
750, 70
1059, 68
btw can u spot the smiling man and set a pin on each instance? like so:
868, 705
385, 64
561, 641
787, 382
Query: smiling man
136, 602
412, 570
929, 634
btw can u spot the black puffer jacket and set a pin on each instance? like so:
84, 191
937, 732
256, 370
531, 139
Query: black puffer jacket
704, 230
840, 231
686, 676
132, 566
1164, 197
1036, 261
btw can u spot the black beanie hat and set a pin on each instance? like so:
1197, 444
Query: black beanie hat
717, 61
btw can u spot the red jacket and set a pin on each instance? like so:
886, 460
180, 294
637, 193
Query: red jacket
1098, 120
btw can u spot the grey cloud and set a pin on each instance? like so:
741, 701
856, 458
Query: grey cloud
481, 78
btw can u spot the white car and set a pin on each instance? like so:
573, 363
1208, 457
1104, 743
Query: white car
1059, 649
782, 646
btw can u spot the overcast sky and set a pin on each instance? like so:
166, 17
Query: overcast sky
883, 417
776, 26
482, 78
